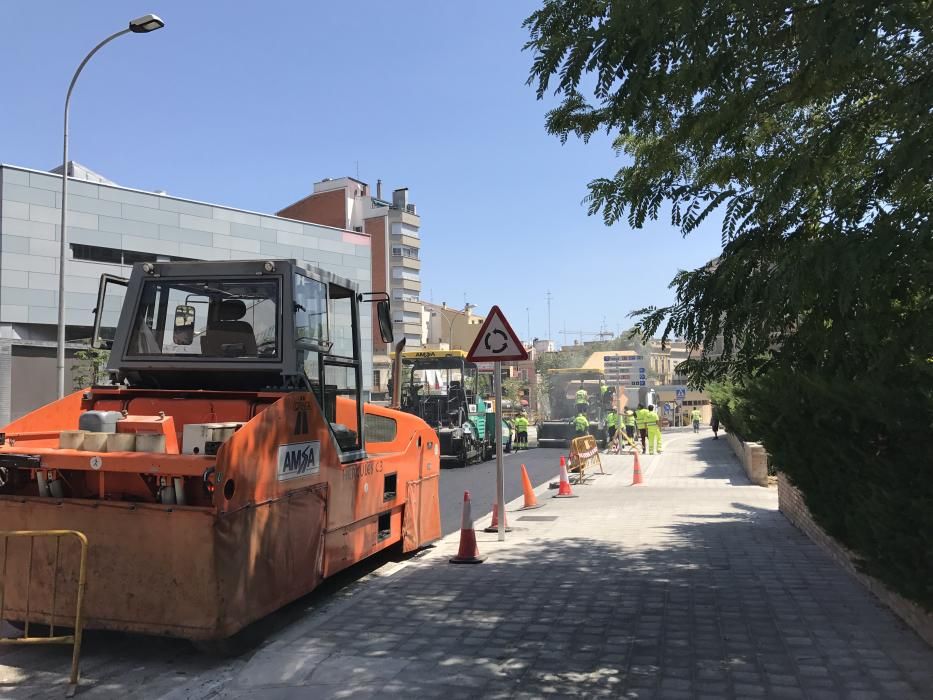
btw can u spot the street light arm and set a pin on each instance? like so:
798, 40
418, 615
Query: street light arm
63, 245
87, 58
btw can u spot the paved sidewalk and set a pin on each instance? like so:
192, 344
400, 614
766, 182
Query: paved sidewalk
690, 586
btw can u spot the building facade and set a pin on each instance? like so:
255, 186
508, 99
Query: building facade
623, 368
110, 228
393, 228
447, 328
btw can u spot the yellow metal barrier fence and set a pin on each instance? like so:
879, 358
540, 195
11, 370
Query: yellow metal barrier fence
75, 637
584, 453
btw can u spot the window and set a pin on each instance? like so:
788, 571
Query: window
115, 256
399, 273
310, 312
229, 319
405, 252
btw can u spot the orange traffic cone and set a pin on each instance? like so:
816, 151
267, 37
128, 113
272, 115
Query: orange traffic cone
469, 552
563, 490
530, 500
636, 475
494, 525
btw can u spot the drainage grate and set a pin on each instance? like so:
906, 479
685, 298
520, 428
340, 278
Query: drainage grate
538, 518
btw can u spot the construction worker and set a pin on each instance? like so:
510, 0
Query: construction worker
653, 423
606, 397
612, 424
641, 422
695, 416
583, 400
630, 424
581, 424
521, 432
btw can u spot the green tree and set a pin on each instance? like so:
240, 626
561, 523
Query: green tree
806, 124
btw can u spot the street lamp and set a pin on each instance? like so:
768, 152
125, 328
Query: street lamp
140, 25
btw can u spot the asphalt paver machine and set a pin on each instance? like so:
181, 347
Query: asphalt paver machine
440, 387
563, 384
230, 466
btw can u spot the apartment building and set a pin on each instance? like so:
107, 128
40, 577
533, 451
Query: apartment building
393, 229
449, 328
623, 368
110, 228
664, 361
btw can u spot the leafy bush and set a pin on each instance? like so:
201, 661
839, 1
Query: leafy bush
861, 452
732, 407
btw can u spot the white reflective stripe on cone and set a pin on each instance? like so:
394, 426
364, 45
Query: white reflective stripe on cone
467, 523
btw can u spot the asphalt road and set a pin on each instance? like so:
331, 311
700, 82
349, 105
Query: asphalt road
542, 464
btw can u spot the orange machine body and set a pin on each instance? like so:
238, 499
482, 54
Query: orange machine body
258, 521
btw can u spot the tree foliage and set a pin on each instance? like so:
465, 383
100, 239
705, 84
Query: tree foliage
805, 125
90, 367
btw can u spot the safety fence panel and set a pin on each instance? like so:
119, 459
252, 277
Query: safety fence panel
584, 454
41, 550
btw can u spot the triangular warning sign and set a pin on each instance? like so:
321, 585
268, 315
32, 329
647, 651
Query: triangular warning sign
496, 341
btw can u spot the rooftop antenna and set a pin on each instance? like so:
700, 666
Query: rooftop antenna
549, 336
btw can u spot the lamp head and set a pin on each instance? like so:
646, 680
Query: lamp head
146, 24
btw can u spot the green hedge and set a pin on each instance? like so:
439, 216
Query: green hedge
861, 452
733, 409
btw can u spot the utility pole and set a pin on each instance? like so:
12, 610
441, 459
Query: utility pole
549, 336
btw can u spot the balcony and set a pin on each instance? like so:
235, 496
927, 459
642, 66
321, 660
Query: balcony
409, 263
408, 239
406, 285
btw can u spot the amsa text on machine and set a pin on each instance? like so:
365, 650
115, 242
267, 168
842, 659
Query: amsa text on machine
299, 459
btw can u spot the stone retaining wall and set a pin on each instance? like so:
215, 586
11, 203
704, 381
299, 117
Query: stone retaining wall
792, 505
754, 459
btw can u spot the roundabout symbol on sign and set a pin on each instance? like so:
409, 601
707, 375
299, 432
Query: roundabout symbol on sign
496, 341
500, 346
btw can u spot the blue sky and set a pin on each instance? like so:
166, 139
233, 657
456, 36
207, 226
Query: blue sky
248, 104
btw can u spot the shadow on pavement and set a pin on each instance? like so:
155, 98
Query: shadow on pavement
725, 603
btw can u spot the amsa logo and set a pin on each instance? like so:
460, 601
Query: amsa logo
298, 460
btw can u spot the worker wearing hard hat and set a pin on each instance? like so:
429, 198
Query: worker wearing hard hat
583, 400
641, 422
521, 432
654, 431
581, 424
630, 423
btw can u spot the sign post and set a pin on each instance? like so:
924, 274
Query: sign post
498, 343
500, 472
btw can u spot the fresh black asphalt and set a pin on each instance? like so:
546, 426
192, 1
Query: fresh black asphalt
542, 463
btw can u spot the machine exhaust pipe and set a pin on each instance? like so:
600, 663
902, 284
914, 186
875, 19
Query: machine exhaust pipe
397, 375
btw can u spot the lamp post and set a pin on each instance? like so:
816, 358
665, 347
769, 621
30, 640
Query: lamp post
140, 25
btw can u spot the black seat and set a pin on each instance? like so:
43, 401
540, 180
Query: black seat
226, 335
